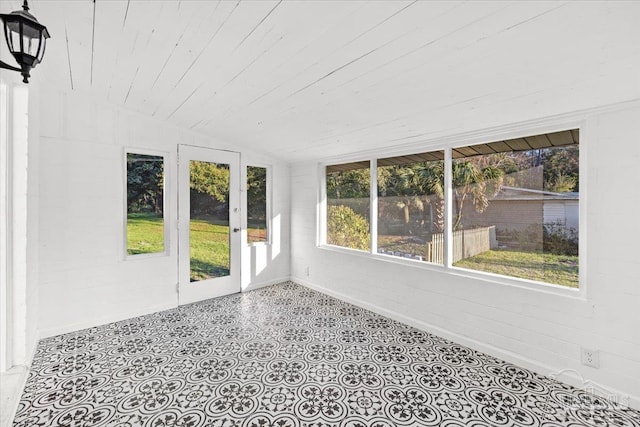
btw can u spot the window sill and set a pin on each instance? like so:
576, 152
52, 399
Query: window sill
267, 243
138, 257
529, 285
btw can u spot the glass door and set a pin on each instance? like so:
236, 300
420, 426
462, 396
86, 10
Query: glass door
209, 223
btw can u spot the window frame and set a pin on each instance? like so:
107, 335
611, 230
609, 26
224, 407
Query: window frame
447, 144
245, 203
322, 204
165, 203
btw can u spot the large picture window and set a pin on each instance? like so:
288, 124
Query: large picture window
513, 207
411, 206
348, 205
145, 204
515, 211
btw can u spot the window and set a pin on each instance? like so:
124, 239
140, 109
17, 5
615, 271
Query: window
515, 211
514, 207
145, 204
348, 205
257, 216
411, 206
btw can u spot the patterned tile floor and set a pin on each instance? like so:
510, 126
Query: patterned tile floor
287, 356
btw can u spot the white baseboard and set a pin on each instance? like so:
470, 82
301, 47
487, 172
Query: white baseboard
58, 330
569, 377
124, 315
64, 329
254, 286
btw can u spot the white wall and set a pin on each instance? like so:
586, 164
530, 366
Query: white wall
84, 279
539, 330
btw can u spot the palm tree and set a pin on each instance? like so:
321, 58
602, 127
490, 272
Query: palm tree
399, 182
432, 186
478, 183
469, 181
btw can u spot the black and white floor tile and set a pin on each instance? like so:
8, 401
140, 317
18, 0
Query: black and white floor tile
288, 356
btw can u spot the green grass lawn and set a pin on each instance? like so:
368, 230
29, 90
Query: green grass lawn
145, 234
209, 249
401, 243
548, 268
209, 243
210, 252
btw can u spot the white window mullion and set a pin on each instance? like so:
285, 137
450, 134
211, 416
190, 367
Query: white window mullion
448, 208
322, 205
373, 208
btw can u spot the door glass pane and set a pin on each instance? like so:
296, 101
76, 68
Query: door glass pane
209, 220
145, 201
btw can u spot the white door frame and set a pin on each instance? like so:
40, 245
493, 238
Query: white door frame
6, 306
188, 291
15, 346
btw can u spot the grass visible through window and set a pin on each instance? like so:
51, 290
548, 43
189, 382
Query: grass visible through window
209, 243
145, 233
549, 268
209, 249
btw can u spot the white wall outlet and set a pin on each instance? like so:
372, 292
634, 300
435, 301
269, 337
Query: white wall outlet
306, 271
590, 357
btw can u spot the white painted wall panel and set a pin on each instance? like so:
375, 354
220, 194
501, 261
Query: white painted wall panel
540, 330
83, 277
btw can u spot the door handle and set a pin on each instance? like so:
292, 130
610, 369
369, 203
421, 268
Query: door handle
235, 230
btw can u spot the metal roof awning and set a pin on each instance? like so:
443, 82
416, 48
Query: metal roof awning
534, 142
547, 140
343, 167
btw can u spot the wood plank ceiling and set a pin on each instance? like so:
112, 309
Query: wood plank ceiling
302, 80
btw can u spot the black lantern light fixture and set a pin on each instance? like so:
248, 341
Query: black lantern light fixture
26, 39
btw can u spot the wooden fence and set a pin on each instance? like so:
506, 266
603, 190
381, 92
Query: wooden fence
466, 243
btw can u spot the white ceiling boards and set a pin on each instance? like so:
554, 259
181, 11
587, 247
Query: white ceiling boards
302, 80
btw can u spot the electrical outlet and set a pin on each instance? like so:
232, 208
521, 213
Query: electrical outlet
306, 271
590, 357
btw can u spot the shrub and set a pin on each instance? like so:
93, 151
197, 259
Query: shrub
346, 228
560, 240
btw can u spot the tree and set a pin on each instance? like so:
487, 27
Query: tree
432, 178
209, 183
412, 185
475, 182
346, 228
561, 168
348, 184
402, 183
256, 192
144, 183
211, 179
475, 179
